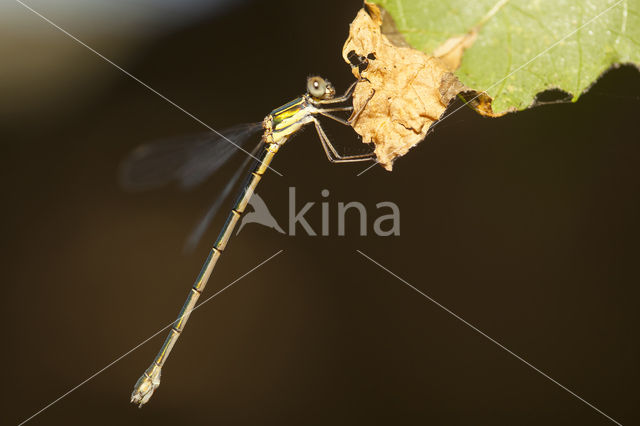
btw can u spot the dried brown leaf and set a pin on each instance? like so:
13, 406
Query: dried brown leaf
398, 96
401, 91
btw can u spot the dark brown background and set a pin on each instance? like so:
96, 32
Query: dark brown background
526, 226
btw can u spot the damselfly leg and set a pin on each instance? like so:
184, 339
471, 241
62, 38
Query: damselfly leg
329, 148
332, 153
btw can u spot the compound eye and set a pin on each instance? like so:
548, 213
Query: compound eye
317, 87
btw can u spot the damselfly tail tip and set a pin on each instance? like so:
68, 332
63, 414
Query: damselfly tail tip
144, 388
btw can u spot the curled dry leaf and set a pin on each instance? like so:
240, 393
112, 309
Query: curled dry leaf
401, 91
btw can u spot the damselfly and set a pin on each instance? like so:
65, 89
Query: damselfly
192, 162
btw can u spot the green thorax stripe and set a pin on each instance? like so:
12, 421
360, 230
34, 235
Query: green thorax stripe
287, 110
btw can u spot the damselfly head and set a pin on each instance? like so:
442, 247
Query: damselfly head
320, 88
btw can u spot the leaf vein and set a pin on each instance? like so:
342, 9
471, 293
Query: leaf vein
509, 64
579, 45
401, 13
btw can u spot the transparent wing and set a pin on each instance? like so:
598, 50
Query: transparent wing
205, 221
187, 160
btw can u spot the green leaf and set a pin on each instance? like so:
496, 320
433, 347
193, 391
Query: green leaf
525, 47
